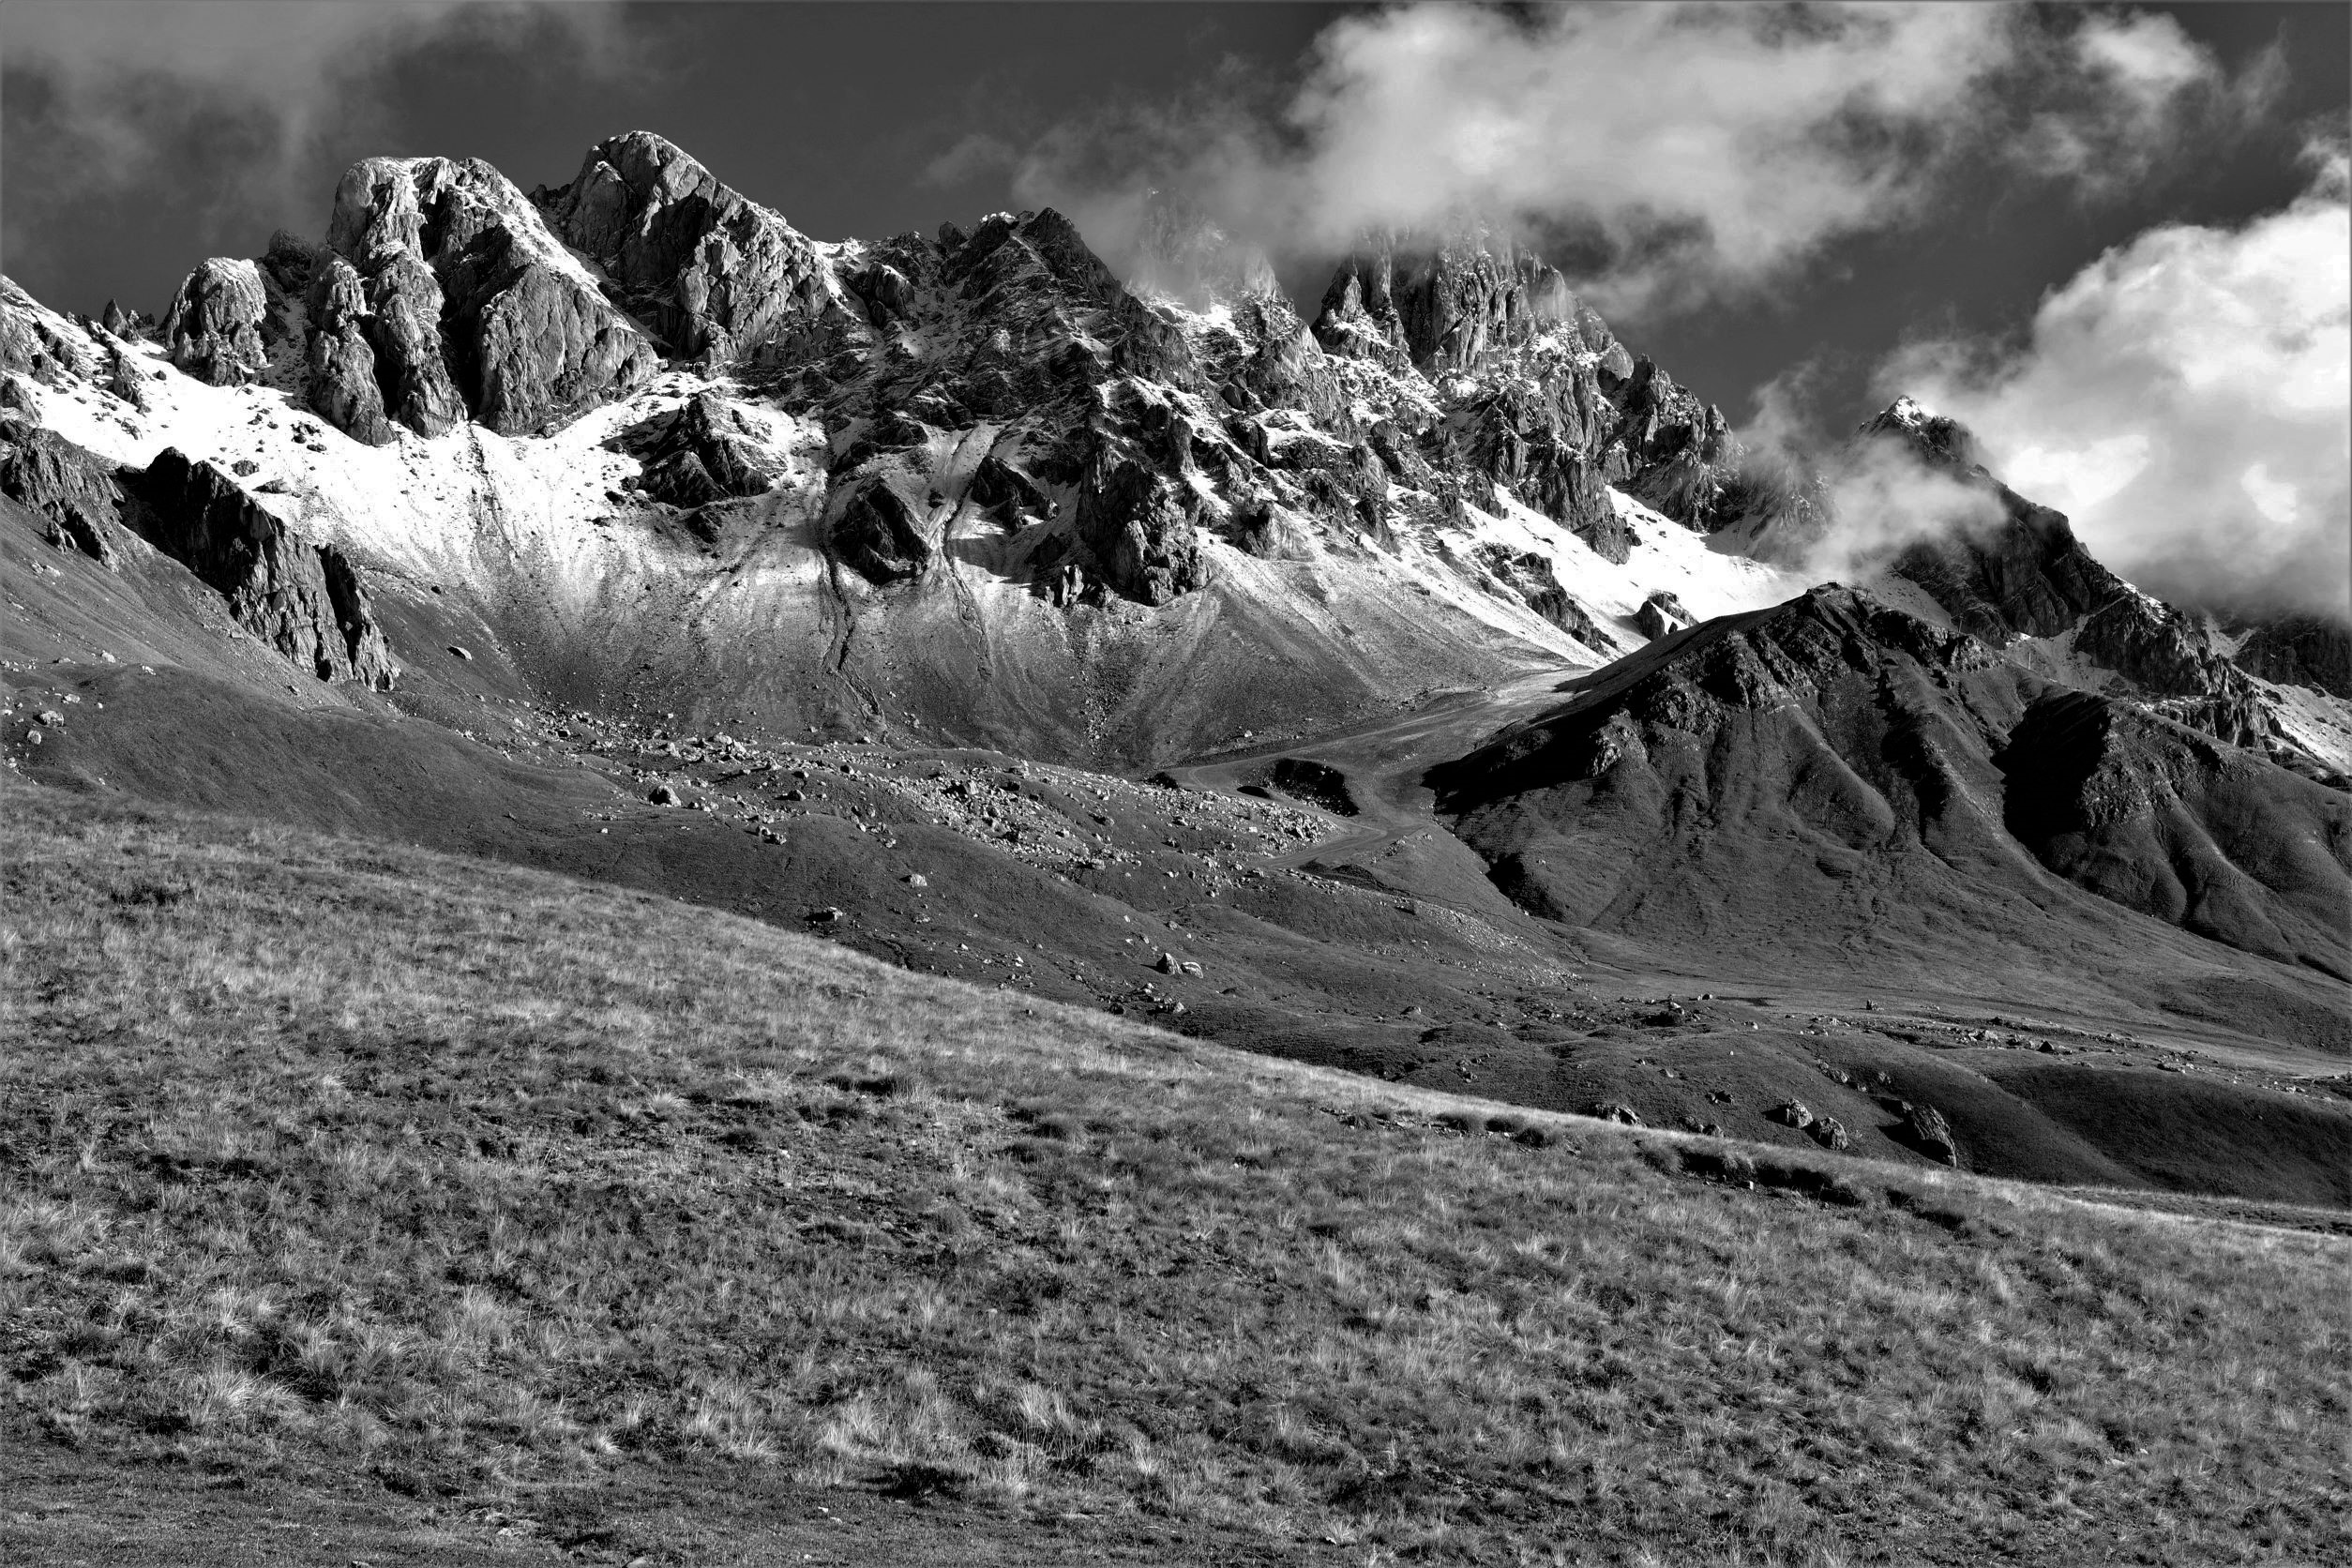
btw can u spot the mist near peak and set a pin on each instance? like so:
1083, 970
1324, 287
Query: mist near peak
1843, 508
2186, 400
1664, 156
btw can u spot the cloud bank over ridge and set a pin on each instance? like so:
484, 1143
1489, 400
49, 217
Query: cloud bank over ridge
229, 105
1662, 153
2186, 400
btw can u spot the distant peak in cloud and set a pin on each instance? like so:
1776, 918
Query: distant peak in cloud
2187, 399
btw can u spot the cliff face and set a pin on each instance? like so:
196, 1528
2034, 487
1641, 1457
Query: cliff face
304, 599
2301, 649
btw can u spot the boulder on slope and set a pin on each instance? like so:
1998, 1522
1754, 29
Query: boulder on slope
873, 529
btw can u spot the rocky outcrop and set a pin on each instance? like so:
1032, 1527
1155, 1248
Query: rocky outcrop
1927, 1130
876, 532
75, 489
31, 344
1662, 615
1141, 528
2314, 651
466, 305
1534, 440
347, 390
1036, 267
1007, 493
2168, 655
2027, 577
1531, 578
304, 599
1281, 366
701, 452
214, 324
129, 326
715, 275
1672, 451
1449, 303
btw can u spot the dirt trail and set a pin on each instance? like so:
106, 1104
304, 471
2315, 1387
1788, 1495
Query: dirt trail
1385, 761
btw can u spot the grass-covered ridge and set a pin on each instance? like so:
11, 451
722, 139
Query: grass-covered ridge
353, 1158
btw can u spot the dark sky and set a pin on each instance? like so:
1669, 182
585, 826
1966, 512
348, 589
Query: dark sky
832, 114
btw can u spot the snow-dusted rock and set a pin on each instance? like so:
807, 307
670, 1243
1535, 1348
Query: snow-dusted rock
213, 323
704, 451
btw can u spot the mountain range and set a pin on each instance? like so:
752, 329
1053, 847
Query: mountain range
1431, 686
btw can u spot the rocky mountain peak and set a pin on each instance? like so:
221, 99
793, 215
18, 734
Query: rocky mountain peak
445, 297
1943, 442
714, 273
1455, 301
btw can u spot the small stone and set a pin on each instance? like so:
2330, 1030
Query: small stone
1190, 968
918, 880
51, 717
1166, 964
33, 737
827, 916
662, 794
1792, 1113
460, 651
1829, 1132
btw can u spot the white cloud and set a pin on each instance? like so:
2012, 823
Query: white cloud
2187, 401
2146, 55
1874, 499
119, 90
1695, 142
976, 155
1692, 150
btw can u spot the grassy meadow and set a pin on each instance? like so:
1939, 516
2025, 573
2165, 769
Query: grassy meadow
442, 1179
